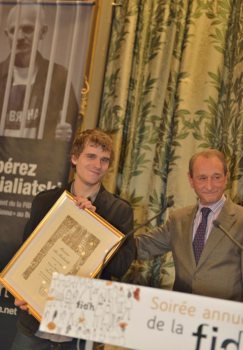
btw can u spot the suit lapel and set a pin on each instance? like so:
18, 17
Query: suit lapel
187, 227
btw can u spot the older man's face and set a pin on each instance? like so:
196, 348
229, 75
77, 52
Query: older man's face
208, 179
25, 33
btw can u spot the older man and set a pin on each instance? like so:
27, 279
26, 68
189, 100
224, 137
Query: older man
207, 261
23, 102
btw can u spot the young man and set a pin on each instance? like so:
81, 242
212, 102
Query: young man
207, 261
91, 155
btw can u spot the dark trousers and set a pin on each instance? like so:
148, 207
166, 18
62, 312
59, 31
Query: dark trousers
23, 342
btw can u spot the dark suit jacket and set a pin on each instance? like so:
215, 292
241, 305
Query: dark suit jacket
219, 272
113, 209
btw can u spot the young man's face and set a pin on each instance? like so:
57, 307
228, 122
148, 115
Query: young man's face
92, 164
208, 179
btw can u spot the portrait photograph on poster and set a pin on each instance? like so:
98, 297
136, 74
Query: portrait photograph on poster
68, 240
44, 63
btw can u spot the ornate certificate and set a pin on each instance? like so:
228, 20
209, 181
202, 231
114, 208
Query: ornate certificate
68, 240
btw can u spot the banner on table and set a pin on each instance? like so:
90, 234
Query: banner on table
140, 317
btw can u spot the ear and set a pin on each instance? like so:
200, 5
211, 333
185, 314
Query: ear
226, 178
74, 159
43, 31
6, 32
190, 180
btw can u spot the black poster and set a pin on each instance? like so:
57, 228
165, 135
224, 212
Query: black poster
43, 49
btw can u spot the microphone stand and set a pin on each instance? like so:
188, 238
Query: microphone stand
105, 261
218, 225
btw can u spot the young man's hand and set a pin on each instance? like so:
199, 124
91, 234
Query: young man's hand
21, 304
84, 203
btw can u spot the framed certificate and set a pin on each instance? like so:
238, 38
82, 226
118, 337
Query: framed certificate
68, 240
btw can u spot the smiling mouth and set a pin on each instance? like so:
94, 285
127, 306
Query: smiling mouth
95, 172
210, 194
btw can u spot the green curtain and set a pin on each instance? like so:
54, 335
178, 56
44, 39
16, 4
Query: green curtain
173, 86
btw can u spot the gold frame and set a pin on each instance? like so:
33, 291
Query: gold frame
68, 240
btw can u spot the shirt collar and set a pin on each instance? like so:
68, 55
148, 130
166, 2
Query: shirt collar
91, 197
215, 206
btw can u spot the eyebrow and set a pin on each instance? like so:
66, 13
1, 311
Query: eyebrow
94, 154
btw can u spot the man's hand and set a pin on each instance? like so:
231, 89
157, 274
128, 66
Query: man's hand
84, 203
63, 132
21, 304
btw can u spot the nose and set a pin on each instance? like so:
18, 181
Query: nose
97, 163
20, 34
209, 183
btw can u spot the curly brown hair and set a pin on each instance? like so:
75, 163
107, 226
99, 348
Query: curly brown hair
92, 136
